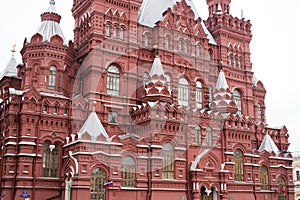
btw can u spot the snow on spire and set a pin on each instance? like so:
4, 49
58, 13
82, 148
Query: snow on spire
11, 68
221, 82
268, 145
223, 98
93, 127
157, 68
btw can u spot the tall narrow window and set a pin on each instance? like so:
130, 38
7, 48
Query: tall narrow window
98, 178
128, 172
168, 80
112, 117
107, 30
115, 32
209, 136
146, 40
186, 47
264, 178
198, 50
198, 94
113, 80
238, 102
121, 33
183, 92
180, 46
50, 160
238, 165
146, 78
298, 175
168, 161
259, 115
167, 45
198, 135
52, 77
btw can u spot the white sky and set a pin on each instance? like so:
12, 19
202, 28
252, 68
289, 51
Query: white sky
274, 47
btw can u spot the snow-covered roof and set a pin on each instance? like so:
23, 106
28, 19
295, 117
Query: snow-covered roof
221, 82
10, 70
93, 127
198, 158
50, 27
157, 68
152, 11
268, 145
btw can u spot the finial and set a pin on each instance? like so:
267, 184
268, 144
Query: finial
52, 2
13, 49
220, 66
242, 14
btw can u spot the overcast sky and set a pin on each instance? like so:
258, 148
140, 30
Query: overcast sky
274, 47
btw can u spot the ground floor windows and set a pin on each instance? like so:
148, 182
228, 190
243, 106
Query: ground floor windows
98, 178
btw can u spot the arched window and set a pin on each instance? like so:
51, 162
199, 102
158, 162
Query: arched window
45, 108
186, 47
128, 172
98, 178
52, 77
230, 60
55, 110
198, 94
113, 80
281, 188
107, 30
121, 33
259, 114
209, 136
168, 80
50, 160
146, 78
168, 161
238, 101
240, 62
180, 46
198, 135
115, 32
298, 175
167, 45
198, 50
264, 178
238, 165
146, 40
183, 92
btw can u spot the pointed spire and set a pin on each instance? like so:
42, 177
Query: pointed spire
268, 145
221, 82
93, 127
11, 68
157, 88
223, 98
156, 69
51, 8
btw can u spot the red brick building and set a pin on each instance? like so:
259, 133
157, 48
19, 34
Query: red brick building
148, 97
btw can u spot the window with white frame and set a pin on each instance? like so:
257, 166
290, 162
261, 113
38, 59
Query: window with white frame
115, 32
183, 92
237, 100
259, 114
198, 94
52, 77
113, 80
121, 33
107, 30
167, 42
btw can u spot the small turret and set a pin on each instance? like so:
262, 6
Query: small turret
157, 88
218, 6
